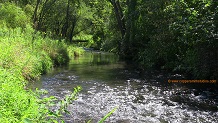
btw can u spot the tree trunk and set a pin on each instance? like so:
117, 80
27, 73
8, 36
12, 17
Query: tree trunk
130, 29
66, 24
120, 21
119, 16
72, 30
46, 7
41, 16
35, 14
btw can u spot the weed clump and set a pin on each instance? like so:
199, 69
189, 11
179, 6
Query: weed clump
23, 58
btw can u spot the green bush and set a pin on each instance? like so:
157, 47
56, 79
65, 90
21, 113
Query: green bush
13, 16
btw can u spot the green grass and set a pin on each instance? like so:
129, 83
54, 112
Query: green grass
22, 59
29, 56
16, 104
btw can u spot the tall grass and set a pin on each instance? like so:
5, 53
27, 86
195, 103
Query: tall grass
23, 58
30, 56
16, 104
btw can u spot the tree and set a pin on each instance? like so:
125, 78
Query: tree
35, 14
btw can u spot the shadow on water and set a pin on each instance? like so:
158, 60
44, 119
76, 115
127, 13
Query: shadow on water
148, 98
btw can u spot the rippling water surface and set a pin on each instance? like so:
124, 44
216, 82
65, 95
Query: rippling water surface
108, 83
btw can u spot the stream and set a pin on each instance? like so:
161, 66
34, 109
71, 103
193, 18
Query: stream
141, 97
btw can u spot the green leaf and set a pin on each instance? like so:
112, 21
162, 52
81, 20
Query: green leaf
27, 120
89, 121
108, 115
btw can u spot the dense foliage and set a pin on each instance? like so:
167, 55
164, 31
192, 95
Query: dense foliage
175, 35
24, 55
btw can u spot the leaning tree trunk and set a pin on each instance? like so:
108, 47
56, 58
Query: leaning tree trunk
119, 16
120, 21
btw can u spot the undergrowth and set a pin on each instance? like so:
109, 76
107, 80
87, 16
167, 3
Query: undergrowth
24, 56
16, 104
30, 56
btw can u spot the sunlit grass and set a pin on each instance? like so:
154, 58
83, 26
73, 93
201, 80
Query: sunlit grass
23, 58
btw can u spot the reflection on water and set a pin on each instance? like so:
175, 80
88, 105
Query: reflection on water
108, 83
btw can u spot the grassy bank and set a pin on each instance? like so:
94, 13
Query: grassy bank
25, 55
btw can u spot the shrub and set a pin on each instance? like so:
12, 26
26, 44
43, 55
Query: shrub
13, 16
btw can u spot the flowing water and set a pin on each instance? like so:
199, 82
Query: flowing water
140, 97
